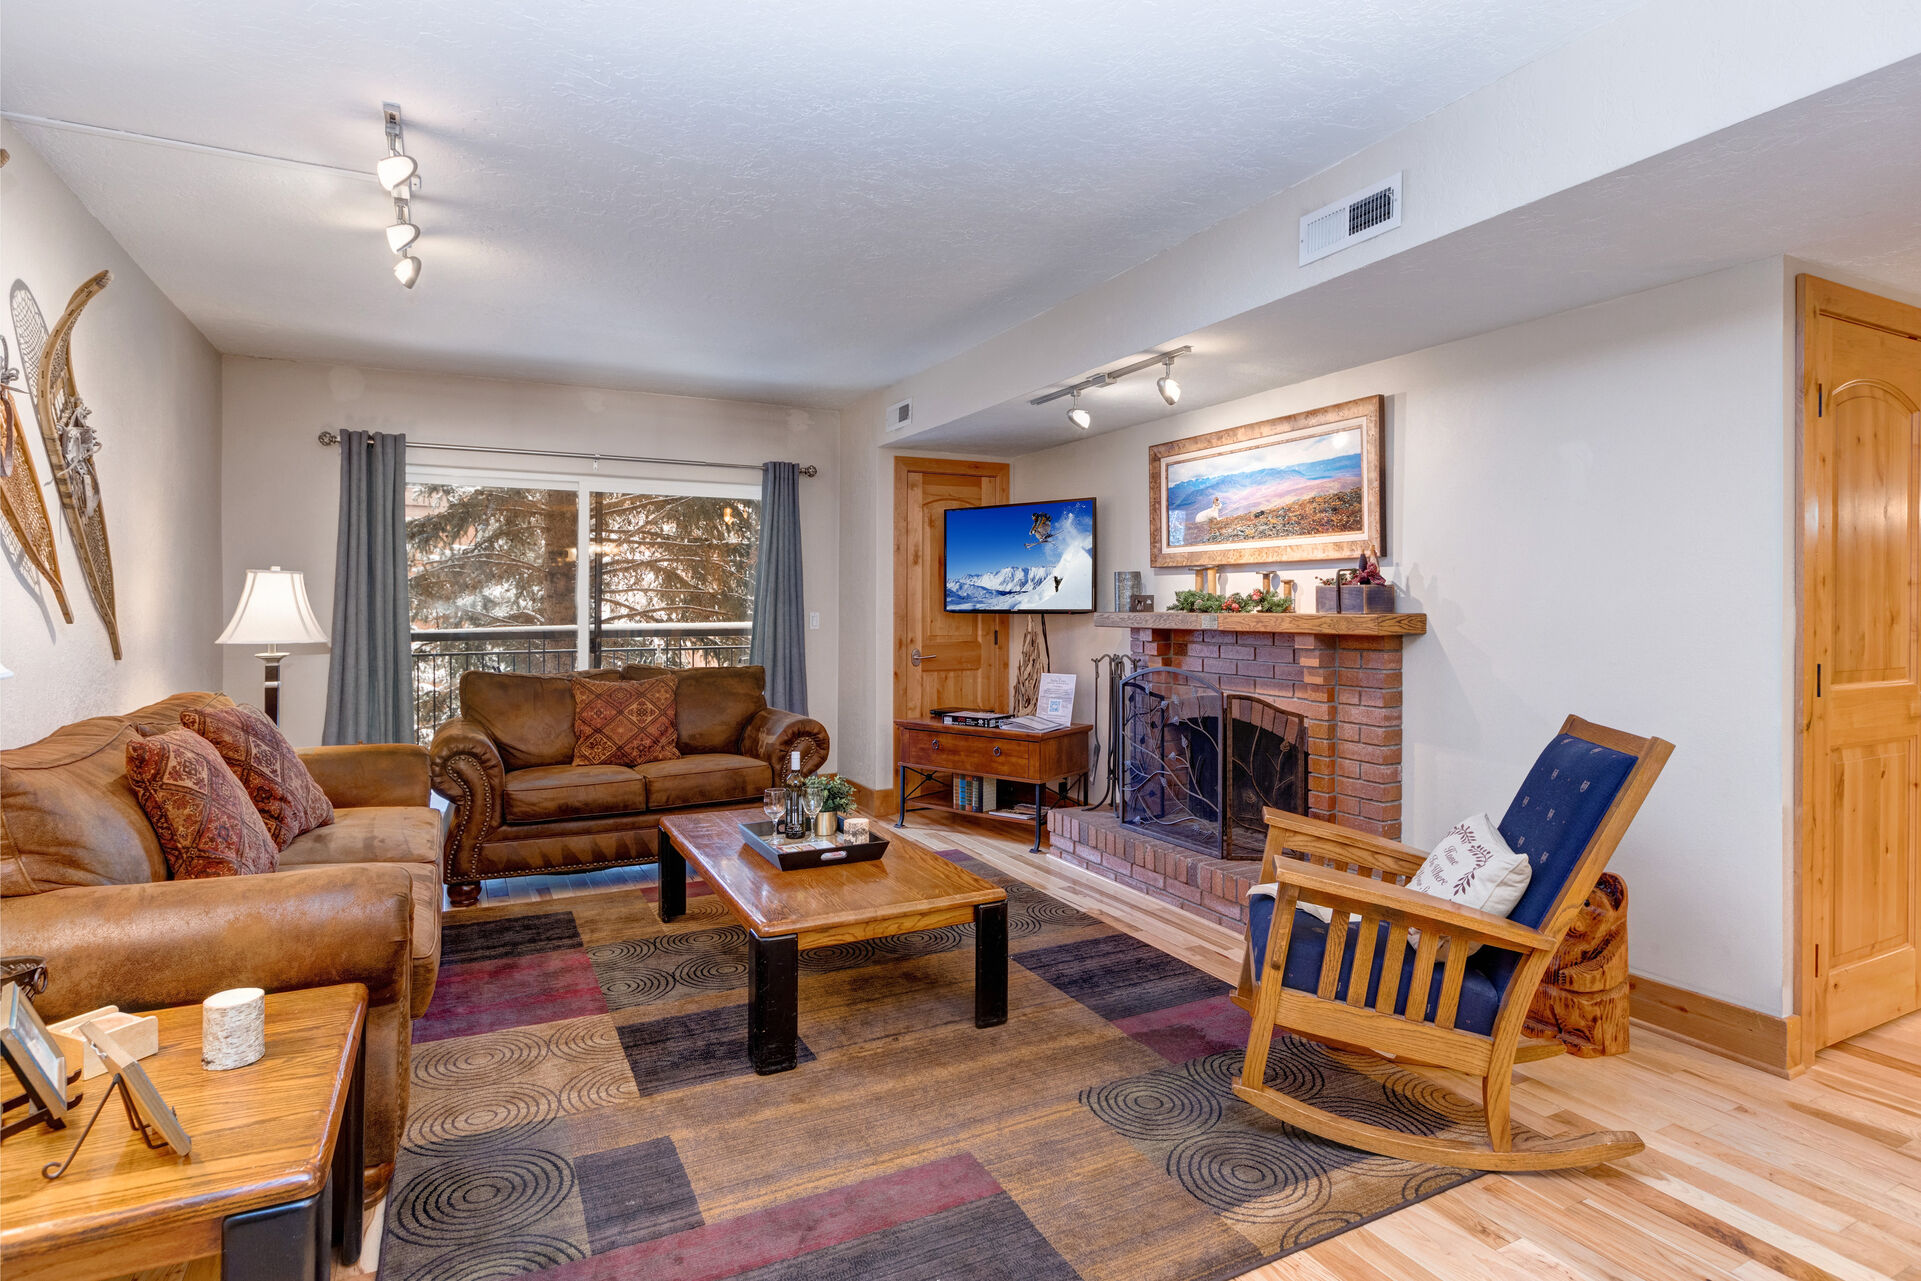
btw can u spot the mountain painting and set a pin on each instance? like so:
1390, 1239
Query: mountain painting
1304, 487
1022, 558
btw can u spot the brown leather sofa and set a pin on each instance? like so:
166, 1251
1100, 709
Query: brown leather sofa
523, 808
358, 901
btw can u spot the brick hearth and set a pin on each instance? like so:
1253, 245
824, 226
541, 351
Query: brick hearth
1346, 687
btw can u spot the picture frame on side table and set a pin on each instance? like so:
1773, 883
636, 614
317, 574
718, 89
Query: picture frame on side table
149, 1111
1306, 487
36, 1062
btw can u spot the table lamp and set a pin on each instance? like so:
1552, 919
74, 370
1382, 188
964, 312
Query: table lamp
273, 609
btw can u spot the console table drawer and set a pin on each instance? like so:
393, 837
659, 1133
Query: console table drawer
966, 753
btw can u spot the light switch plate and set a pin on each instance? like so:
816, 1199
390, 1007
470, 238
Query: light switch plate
813, 620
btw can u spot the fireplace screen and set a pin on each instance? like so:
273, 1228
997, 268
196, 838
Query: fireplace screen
1199, 764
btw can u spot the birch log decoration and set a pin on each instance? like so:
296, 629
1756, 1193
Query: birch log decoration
233, 1028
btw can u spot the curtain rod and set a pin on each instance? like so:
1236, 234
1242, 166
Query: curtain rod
329, 438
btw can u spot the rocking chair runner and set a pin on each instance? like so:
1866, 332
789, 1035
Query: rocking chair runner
1361, 986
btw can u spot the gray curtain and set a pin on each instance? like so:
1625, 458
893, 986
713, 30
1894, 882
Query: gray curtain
369, 679
780, 636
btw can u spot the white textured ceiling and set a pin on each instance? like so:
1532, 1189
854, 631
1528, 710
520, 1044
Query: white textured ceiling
779, 201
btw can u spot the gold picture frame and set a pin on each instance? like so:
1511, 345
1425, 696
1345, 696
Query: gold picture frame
1304, 487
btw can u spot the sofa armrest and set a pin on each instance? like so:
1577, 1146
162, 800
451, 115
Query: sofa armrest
164, 943
772, 734
360, 774
467, 770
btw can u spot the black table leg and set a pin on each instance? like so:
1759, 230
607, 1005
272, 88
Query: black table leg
279, 1242
349, 1173
990, 964
902, 790
1040, 815
673, 879
773, 1001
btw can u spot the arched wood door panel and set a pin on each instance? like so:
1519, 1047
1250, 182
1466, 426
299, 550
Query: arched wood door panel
1861, 618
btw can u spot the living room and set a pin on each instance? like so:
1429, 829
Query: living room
590, 684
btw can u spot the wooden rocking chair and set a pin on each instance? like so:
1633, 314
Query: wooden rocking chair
1319, 981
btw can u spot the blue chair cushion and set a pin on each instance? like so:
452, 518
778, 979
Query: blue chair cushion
1307, 946
1561, 801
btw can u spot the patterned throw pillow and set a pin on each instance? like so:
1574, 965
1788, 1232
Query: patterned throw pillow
625, 722
206, 824
270, 771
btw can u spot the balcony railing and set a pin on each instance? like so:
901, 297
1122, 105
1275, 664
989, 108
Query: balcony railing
441, 655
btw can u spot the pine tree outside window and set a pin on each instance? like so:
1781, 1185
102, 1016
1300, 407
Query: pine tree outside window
498, 581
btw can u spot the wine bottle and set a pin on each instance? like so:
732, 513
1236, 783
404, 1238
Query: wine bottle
793, 820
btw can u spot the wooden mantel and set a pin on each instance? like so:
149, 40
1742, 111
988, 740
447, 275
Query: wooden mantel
1309, 624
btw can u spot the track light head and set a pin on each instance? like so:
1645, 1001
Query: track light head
1078, 416
407, 270
1165, 384
396, 171
402, 234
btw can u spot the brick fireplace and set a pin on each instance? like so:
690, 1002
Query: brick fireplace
1340, 672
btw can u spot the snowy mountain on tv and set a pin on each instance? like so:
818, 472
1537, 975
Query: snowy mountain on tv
1011, 559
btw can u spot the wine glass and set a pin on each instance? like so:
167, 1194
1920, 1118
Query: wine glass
772, 804
810, 801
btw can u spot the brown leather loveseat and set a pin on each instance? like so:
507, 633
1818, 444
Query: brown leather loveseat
357, 901
523, 808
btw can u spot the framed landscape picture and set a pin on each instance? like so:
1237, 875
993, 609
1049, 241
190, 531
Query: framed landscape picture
1303, 487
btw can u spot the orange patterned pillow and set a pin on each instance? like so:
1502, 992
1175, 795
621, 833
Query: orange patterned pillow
625, 722
206, 824
270, 771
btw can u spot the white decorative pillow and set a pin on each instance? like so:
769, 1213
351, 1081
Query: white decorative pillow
1471, 866
1474, 867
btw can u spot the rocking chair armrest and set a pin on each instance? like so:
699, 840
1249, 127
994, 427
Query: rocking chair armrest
1344, 891
1313, 836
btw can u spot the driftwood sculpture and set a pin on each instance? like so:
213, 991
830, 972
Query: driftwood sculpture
1583, 998
69, 437
20, 501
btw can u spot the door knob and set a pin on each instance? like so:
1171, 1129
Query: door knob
916, 657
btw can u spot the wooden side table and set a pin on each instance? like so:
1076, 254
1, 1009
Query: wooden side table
274, 1178
1048, 758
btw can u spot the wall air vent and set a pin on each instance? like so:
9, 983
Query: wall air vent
1348, 222
900, 415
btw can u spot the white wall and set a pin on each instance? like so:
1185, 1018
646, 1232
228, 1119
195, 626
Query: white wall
281, 489
153, 384
1592, 509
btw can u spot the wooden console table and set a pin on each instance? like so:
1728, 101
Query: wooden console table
1048, 758
274, 1178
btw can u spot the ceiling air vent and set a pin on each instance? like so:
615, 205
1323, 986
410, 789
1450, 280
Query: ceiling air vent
900, 415
1347, 222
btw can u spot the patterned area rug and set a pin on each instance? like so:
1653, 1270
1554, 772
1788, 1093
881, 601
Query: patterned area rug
583, 1109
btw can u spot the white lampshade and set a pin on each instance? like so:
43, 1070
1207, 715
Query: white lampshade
273, 610
401, 234
407, 270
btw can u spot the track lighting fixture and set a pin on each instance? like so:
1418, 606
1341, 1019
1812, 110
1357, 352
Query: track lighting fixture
1169, 389
396, 171
399, 173
403, 232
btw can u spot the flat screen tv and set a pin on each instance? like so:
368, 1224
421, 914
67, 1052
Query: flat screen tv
1023, 558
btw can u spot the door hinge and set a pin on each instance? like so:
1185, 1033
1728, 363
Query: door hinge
1817, 960
1820, 400
997, 635
1817, 680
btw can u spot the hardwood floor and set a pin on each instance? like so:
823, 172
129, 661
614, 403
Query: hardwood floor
1746, 1176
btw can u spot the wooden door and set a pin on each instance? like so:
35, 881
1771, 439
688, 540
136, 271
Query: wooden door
1861, 641
941, 659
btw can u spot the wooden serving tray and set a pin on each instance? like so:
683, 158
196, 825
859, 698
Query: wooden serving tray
760, 836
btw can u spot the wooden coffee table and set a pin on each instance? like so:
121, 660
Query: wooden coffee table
785, 912
273, 1181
